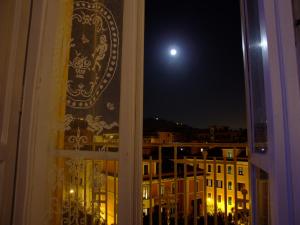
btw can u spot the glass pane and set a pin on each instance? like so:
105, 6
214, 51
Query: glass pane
257, 46
84, 192
84, 173
262, 186
93, 79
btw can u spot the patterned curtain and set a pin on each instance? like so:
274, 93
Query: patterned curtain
84, 185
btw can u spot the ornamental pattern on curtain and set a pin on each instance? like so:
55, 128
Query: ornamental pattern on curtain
93, 84
84, 190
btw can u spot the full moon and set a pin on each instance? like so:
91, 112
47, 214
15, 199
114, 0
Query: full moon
173, 52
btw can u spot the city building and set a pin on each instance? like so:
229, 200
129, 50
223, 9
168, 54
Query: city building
185, 177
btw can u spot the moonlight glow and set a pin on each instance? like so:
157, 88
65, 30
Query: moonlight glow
263, 44
173, 52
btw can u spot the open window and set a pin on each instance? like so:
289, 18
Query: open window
80, 142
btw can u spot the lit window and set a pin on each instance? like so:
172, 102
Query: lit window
162, 189
229, 185
240, 171
208, 195
229, 169
209, 182
145, 212
229, 200
229, 155
218, 183
146, 192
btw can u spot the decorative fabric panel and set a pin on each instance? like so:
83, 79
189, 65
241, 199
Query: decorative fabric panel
93, 83
84, 171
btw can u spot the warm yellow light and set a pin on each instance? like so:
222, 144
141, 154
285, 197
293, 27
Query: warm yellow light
72, 191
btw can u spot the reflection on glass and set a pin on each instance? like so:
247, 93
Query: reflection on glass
93, 80
85, 192
262, 198
84, 184
257, 47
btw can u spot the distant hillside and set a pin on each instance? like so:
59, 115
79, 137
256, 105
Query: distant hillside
182, 132
185, 133
157, 124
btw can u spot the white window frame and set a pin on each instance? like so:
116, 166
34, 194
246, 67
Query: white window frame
283, 110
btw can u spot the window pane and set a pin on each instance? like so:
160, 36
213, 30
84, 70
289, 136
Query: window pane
93, 77
84, 191
85, 180
257, 47
240, 171
146, 191
262, 197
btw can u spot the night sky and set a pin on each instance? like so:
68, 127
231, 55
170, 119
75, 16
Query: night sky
203, 85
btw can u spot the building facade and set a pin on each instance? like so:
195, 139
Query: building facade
210, 182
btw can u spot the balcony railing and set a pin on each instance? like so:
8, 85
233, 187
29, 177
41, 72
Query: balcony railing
179, 188
195, 188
